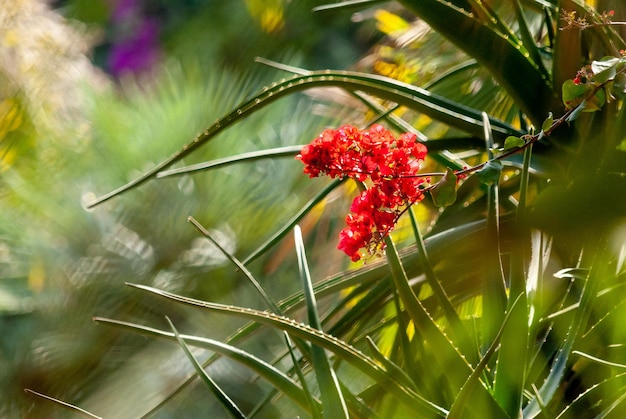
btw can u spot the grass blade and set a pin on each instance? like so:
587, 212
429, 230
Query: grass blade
63, 404
271, 153
226, 401
314, 407
266, 297
332, 398
462, 401
282, 232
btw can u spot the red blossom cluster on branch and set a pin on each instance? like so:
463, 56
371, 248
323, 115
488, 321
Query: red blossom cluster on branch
388, 164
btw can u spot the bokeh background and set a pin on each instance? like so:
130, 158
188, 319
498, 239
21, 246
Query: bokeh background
92, 92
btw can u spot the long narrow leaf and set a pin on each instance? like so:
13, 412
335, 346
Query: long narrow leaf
610, 393
458, 370
286, 228
332, 398
436, 107
513, 358
461, 403
266, 297
390, 365
601, 269
230, 406
450, 313
342, 349
286, 151
493, 281
63, 404
435, 147
437, 245
527, 37
446, 353
274, 376
347, 4
314, 408
507, 59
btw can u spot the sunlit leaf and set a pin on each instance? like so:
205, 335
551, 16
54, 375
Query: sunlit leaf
547, 124
513, 142
605, 69
444, 192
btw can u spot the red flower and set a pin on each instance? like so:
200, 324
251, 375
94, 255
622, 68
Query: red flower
373, 155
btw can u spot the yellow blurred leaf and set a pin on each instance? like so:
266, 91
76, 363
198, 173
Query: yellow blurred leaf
388, 22
36, 276
268, 13
10, 117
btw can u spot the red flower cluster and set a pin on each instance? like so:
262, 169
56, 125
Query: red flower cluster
390, 165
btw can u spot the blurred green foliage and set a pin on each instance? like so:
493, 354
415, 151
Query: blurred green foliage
60, 264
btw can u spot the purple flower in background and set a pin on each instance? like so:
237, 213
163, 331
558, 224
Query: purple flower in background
135, 44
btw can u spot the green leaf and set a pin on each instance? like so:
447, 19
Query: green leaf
332, 398
240, 266
596, 102
444, 192
513, 142
490, 172
573, 94
547, 124
604, 69
287, 151
391, 366
607, 394
431, 277
436, 107
347, 4
601, 269
226, 401
505, 56
571, 273
345, 351
314, 408
267, 371
66, 405
528, 38
445, 352
462, 402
